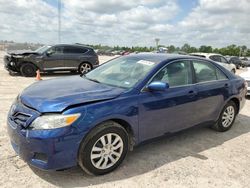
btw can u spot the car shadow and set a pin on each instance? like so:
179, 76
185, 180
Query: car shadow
148, 157
49, 74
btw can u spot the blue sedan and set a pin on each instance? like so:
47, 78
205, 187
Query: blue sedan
95, 119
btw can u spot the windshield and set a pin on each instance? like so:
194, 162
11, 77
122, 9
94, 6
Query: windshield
42, 49
122, 72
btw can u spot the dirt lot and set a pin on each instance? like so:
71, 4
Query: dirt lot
194, 158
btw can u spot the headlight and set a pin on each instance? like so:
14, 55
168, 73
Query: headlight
54, 121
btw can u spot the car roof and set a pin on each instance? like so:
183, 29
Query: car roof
159, 57
74, 45
204, 54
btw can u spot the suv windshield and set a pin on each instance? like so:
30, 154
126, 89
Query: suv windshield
122, 72
42, 49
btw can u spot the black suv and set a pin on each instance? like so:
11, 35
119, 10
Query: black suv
61, 57
237, 61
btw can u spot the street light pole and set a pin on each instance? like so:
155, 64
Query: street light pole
59, 21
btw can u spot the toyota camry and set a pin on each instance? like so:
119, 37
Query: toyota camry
93, 120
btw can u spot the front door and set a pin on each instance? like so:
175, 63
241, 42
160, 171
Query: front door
53, 59
170, 110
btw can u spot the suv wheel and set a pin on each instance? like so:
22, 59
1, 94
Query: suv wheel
85, 68
226, 118
104, 149
28, 70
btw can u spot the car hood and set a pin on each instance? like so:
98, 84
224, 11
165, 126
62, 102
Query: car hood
57, 94
22, 52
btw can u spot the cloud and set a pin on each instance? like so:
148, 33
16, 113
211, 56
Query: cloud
219, 22
118, 22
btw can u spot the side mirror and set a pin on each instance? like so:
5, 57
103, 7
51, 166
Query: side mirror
48, 53
158, 86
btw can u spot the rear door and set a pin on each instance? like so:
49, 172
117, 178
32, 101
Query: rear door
212, 87
72, 56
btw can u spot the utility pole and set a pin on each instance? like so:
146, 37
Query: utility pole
59, 21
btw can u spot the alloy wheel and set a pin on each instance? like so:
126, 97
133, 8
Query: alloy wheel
84, 68
228, 116
106, 151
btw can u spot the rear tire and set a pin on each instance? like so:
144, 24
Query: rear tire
104, 148
84, 68
28, 70
227, 117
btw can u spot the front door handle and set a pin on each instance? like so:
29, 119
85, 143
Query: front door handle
192, 93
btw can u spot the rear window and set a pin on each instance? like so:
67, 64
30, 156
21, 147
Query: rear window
205, 72
215, 58
74, 50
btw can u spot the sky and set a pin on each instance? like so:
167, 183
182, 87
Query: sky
127, 22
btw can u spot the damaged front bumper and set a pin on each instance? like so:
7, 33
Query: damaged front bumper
10, 64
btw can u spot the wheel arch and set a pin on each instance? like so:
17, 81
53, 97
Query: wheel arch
28, 62
237, 103
235, 100
127, 126
129, 130
84, 61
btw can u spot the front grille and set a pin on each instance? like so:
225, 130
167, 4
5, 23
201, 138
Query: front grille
248, 82
21, 119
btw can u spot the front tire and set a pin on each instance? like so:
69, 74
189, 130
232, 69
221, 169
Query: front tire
104, 148
28, 70
227, 117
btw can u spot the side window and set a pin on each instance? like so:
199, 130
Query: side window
223, 60
74, 50
175, 74
51, 50
55, 50
58, 50
68, 50
215, 58
205, 72
80, 50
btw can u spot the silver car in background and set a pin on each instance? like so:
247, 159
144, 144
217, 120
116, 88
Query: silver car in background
246, 76
221, 60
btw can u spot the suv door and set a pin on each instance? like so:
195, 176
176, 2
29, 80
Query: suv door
212, 87
53, 59
72, 56
170, 110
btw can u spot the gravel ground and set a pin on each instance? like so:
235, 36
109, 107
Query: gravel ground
193, 158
